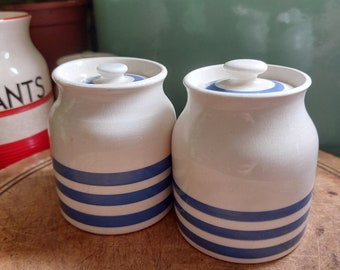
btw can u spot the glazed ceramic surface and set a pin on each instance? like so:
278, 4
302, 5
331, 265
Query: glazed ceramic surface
25, 91
185, 35
57, 28
244, 159
110, 132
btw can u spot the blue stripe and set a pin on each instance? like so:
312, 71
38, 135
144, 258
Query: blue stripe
112, 179
92, 80
242, 216
240, 253
278, 87
116, 221
136, 78
115, 199
241, 235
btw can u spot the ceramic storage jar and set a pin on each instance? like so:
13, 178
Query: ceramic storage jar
25, 91
110, 132
244, 160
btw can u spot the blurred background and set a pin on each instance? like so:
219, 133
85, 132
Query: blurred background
188, 34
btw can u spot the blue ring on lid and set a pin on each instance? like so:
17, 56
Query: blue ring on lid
278, 87
135, 77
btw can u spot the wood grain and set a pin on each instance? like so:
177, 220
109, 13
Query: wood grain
34, 235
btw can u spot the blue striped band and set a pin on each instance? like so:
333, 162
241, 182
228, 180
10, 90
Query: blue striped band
116, 221
115, 199
242, 216
112, 179
238, 234
240, 253
278, 87
135, 78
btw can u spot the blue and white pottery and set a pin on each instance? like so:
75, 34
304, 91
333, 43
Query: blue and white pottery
110, 132
244, 159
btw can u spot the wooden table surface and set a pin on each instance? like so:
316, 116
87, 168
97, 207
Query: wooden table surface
34, 235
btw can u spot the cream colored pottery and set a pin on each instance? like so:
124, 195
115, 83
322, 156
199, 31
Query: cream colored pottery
25, 91
244, 159
110, 132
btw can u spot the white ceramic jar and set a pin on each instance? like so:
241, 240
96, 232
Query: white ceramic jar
244, 158
110, 132
25, 91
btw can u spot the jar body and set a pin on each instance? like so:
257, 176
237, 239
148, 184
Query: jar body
244, 171
25, 91
111, 153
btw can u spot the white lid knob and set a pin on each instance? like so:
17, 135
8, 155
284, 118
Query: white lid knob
245, 69
242, 75
112, 73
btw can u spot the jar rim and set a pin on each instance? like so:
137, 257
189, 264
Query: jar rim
200, 77
75, 72
13, 15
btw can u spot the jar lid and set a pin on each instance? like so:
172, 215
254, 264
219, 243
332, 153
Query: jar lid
241, 76
113, 73
109, 73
